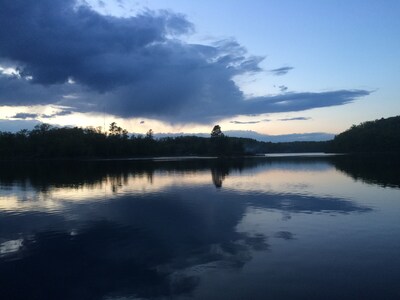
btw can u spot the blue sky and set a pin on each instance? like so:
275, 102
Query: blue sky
274, 67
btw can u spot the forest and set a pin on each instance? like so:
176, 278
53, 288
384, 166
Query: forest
50, 142
382, 135
46, 141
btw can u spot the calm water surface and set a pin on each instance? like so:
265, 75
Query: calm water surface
258, 228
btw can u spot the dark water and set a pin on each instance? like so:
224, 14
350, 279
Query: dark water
267, 228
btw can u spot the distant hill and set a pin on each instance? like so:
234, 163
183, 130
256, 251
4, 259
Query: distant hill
381, 135
283, 138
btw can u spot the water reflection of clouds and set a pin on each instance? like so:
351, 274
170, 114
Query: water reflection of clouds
151, 246
147, 236
262, 180
10, 246
158, 232
28, 201
286, 235
157, 245
307, 204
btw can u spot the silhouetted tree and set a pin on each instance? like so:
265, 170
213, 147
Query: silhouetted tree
150, 134
216, 132
116, 130
44, 127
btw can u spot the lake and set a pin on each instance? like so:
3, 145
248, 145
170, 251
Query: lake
296, 227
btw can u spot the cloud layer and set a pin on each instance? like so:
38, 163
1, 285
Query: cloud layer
295, 119
281, 71
69, 54
248, 122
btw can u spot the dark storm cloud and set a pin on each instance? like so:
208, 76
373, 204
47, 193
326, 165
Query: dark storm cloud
174, 107
295, 119
55, 40
281, 71
131, 67
20, 91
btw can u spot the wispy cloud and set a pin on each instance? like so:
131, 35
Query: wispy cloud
132, 67
57, 114
281, 71
249, 122
295, 119
24, 116
283, 88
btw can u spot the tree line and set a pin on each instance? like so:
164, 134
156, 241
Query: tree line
46, 141
49, 142
382, 135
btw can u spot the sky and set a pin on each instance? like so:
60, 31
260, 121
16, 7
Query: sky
271, 67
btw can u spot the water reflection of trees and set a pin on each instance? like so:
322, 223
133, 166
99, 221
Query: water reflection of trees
383, 170
152, 246
92, 174
218, 173
218, 177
